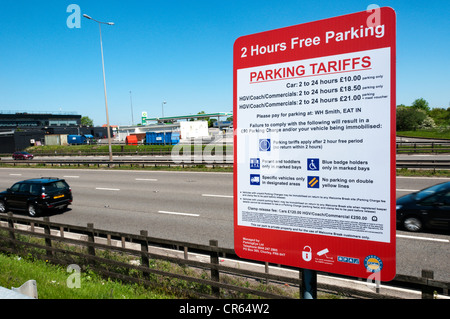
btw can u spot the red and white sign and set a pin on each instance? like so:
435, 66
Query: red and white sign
314, 148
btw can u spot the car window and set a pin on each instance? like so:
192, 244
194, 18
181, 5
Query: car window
430, 200
36, 189
24, 188
446, 199
55, 186
431, 190
61, 185
15, 187
438, 198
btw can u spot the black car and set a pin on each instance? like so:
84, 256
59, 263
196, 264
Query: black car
428, 208
36, 195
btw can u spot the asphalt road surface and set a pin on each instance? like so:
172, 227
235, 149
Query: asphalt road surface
196, 207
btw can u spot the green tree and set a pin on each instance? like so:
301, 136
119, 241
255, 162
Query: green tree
440, 116
421, 104
409, 118
86, 121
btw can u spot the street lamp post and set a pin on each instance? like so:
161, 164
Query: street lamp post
131, 103
162, 107
104, 81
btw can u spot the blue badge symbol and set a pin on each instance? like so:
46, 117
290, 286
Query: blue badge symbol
313, 164
264, 144
255, 163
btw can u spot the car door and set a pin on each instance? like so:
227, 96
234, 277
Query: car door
16, 196
439, 214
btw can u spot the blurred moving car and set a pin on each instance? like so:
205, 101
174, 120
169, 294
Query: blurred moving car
22, 155
428, 208
36, 195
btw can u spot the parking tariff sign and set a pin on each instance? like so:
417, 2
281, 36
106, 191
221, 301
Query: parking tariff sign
314, 148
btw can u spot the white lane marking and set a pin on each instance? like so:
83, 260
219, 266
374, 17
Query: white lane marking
212, 195
107, 189
146, 179
15, 174
177, 213
422, 177
424, 238
71, 176
406, 190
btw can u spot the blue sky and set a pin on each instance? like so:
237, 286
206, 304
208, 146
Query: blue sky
181, 52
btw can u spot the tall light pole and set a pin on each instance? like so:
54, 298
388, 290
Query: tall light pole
104, 81
131, 103
162, 106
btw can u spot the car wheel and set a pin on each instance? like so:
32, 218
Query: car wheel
33, 210
2, 207
413, 224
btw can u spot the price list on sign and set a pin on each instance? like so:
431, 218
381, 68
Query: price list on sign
314, 148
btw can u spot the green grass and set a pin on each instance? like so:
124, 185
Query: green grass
52, 282
432, 133
88, 149
190, 168
116, 149
423, 172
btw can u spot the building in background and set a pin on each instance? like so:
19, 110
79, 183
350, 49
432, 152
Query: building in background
26, 120
19, 130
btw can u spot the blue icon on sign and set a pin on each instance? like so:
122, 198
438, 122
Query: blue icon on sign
313, 182
349, 260
264, 144
313, 164
255, 179
254, 163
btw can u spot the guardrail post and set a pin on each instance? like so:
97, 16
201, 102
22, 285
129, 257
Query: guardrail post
144, 255
48, 240
90, 234
308, 288
214, 258
12, 235
185, 249
427, 291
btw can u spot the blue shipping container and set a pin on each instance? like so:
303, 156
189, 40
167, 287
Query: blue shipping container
175, 138
161, 138
76, 139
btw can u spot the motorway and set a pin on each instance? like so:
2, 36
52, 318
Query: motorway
196, 207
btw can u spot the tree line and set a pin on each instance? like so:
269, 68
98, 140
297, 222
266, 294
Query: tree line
420, 116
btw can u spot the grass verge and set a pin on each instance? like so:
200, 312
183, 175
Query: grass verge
443, 134
423, 172
52, 281
204, 168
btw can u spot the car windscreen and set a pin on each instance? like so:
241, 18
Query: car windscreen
429, 191
55, 186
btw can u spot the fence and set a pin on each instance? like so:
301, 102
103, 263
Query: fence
119, 163
422, 147
430, 164
402, 147
212, 273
